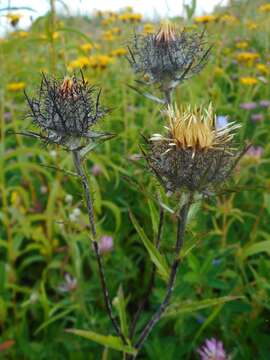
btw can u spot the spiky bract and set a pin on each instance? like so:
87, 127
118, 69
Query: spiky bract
65, 110
194, 154
169, 55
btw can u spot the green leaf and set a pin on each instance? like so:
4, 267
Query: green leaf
155, 255
109, 341
154, 216
188, 307
253, 249
120, 304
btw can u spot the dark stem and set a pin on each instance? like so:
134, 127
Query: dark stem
152, 278
90, 210
181, 226
168, 96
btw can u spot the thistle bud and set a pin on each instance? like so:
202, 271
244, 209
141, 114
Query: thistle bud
65, 110
168, 56
194, 154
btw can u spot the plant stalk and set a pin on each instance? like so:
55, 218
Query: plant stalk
89, 204
152, 277
181, 226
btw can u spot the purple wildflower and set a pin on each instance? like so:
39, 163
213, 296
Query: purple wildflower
69, 285
213, 350
255, 151
7, 116
96, 170
257, 117
248, 106
264, 103
105, 244
221, 121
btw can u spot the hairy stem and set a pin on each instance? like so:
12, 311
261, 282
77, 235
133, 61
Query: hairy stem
152, 277
89, 204
181, 226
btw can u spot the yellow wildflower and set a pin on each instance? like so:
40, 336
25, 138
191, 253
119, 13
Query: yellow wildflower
119, 52
79, 63
247, 57
16, 86
241, 44
100, 61
262, 68
248, 80
229, 19
205, 19
148, 29
251, 25
14, 19
130, 17
218, 71
116, 30
55, 35
264, 8
21, 34
108, 36
87, 47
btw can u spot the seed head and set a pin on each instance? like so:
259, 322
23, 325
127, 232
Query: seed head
194, 153
65, 110
168, 55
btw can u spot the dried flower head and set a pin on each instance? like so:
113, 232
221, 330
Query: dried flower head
195, 153
168, 55
65, 111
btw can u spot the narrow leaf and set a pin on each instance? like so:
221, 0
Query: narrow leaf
155, 255
184, 308
109, 341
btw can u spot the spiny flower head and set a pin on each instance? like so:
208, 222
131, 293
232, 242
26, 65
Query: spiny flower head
65, 110
169, 55
195, 153
195, 129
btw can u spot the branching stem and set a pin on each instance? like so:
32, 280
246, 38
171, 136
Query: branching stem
89, 204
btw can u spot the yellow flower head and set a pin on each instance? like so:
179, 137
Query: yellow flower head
195, 128
119, 52
229, 19
87, 47
248, 80
251, 25
79, 63
205, 19
148, 29
264, 8
130, 17
241, 44
262, 68
100, 61
247, 58
108, 36
14, 19
16, 86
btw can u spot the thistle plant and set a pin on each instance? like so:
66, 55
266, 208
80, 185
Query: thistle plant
65, 112
167, 58
192, 157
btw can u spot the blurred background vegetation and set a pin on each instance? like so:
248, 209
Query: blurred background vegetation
48, 275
